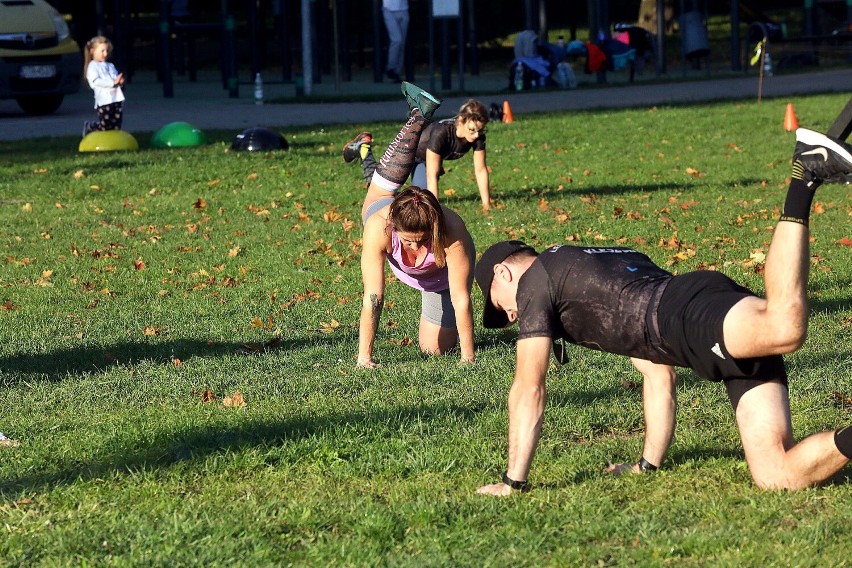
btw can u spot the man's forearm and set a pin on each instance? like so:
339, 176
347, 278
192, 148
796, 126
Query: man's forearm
526, 412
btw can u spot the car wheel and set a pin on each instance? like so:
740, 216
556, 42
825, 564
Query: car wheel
40, 104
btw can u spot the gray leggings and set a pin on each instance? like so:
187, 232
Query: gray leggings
437, 308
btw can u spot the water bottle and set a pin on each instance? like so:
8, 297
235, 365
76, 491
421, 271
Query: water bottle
519, 76
258, 90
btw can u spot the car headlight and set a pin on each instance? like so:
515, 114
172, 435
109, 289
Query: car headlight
59, 23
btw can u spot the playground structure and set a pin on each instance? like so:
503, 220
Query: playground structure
303, 43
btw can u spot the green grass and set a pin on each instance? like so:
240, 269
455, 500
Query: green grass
128, 283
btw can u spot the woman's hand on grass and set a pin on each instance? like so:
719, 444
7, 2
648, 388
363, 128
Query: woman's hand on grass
496, 489
622, 468
366, 363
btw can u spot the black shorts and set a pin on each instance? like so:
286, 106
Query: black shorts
691, 315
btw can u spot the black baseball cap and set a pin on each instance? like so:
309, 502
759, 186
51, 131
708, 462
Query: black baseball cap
484, 274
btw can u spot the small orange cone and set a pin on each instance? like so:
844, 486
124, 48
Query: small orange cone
790, 120
507, 113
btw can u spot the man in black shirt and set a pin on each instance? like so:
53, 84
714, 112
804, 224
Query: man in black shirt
616, 300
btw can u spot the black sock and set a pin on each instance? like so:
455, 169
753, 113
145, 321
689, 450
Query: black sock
800, 195
843, 441
368, 164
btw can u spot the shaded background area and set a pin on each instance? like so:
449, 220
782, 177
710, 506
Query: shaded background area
244, 38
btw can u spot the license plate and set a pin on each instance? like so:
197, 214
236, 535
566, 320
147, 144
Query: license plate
38, 71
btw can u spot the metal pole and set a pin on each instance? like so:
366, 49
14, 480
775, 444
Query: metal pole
99, 16
460, 26
336, 37
735, 36
229, 56
165, 55
307, 47
661, 37
345, 56
446, 74
282, 6
254, 37
377, 41
471, 34
431, 48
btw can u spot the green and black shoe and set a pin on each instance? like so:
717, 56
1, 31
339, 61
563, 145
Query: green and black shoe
418, 98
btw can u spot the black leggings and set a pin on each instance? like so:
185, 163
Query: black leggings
109, 117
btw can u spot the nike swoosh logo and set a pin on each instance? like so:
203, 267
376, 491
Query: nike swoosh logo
632, 268
817, 151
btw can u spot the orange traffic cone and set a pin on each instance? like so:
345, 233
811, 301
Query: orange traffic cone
507, 113
790, 120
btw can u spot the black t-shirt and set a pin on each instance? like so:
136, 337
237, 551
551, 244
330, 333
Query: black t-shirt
440, 137
594, 297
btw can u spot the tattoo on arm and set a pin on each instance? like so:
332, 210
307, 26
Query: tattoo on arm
376, 304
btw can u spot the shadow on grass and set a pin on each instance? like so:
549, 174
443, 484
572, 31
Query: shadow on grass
174, 447
56, 365
571, 191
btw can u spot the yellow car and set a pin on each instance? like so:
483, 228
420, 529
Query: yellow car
39, 61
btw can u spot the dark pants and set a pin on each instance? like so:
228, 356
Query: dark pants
109, 118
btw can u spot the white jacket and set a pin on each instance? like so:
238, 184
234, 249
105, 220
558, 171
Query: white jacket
101, 77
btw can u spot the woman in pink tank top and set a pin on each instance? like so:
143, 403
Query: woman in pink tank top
426, 244
428, 248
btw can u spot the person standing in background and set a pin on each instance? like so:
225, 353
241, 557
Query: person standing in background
395, 13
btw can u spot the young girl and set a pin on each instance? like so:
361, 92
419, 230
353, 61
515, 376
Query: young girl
106, 82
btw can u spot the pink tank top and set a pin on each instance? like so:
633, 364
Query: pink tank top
426, 276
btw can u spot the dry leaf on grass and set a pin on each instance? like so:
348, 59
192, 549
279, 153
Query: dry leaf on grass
206, 395
235, 401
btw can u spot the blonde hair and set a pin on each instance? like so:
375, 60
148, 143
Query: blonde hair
416, 210
90, 46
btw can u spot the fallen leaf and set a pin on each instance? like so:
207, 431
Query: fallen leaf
79, 174
841, 400
200, 204
206, 395
139, 264
234, 251
332, 215
235, 401
8, 306
257, 322
45, 279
